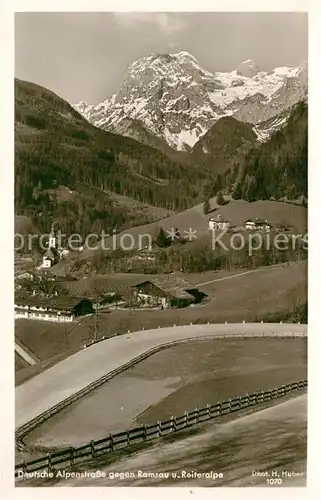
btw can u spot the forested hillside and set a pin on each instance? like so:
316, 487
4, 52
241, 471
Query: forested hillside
227, 139
277, 168
55, 146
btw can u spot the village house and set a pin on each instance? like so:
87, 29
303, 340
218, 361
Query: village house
102, 290
58, 309
166, 291
25, 275
218, 223
257, 225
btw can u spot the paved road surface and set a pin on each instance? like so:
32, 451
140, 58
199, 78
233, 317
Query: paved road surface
269, 440
70, 375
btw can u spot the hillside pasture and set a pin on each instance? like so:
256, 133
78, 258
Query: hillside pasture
264, 294
236, 211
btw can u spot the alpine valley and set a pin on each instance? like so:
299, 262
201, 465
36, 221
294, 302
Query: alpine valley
173, 136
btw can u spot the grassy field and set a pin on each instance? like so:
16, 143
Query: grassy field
250, 296
212, 446
19, 362
273, 439
236, 211
175, 380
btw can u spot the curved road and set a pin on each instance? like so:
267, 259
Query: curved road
74, 373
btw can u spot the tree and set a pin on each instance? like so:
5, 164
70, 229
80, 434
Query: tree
162, 240
206, 206
237, 193
220, 200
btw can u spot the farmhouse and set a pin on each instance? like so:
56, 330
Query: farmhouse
218, 222
51, 309
25, 275
257, 225
167, 291
102, 290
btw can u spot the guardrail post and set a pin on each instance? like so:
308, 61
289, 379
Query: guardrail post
128, 439
111, 441
159, 428
197, 415
229, 406
208, 414
92, 447
49, 462
219, 404
185, 418
71, 456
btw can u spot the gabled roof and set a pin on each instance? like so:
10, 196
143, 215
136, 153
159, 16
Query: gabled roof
51, 253
57, 302
91, 287
257, 221
219, 219
22, 272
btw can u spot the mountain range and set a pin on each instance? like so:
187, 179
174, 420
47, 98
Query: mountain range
171, 137
171, 100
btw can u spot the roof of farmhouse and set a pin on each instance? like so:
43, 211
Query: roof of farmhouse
57, 302
91, 287
257, 221
219, 218
175, 286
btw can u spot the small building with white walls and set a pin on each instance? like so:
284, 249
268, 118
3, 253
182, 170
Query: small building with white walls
218, 223
57, 309
257, 225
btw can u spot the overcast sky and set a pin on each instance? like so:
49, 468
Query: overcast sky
83, 56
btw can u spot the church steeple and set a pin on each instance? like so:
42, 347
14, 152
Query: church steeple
52, 237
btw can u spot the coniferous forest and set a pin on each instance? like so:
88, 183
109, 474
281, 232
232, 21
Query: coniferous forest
55, 146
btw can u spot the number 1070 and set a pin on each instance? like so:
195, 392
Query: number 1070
274, 480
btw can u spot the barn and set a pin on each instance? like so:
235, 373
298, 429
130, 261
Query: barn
166, 292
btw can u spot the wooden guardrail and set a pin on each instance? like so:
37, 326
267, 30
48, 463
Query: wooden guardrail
144, 433
39, 419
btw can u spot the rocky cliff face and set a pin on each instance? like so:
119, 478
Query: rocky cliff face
176, 100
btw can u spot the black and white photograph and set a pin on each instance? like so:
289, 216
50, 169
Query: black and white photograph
160, 249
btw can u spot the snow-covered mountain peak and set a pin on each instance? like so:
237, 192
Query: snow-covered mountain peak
177, 100
82, 106
247, 68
